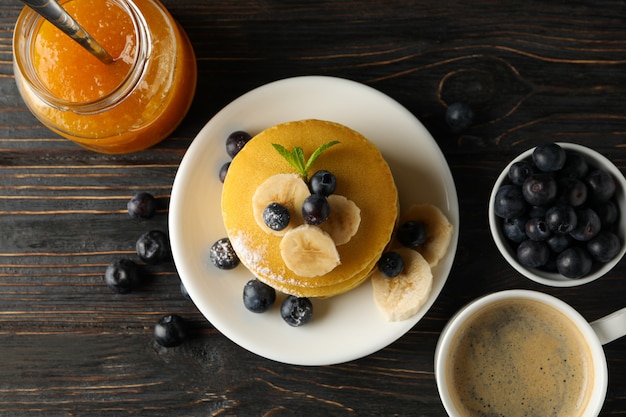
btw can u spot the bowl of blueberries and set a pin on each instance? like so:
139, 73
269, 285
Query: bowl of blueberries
555, 214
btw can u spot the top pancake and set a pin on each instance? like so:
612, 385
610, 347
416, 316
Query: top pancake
363, 176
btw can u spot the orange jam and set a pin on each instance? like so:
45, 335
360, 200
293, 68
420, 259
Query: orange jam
69, 71
125, 106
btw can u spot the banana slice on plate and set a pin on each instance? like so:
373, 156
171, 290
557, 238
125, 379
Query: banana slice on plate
309, 251
401, 297
438, 231
288, 190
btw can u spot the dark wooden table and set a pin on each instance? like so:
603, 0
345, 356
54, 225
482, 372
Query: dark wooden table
534, 72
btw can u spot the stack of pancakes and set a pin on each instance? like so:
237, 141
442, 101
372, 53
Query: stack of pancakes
363, 176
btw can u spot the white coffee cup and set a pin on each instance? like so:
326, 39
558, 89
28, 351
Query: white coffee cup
595, 334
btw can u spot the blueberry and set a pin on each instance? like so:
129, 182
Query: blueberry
315, 209
558, 242
296, 311
515, 229
142, 206
588, 225
459, 116
276, 216
171, 330
601, 185
122, 276
323, 183
153, 247
537, 211
532, 253
537, 229
258, 297
519, 171
224, 171
390, 264
412, 234
561, 218
549, 158
572, 191
550, 266
604, 247
573, 262
607, 212
540, 189
222, 254
236, 141
509, 202
575, 167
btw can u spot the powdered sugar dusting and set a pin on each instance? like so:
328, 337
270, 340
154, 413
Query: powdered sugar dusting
254, 257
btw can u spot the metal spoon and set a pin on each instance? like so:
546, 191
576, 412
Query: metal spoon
55, 14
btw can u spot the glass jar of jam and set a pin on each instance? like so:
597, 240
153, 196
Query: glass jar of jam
121, 107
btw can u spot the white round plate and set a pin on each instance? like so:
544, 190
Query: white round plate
345, 327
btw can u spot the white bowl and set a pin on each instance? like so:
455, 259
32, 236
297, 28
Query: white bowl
594, 159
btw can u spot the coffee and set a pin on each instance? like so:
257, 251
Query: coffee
519, 357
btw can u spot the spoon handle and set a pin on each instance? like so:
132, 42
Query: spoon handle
55, 14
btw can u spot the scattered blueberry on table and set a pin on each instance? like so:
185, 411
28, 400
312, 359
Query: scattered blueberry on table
122, 276
153, 247
171, 330
459, 116
142, 206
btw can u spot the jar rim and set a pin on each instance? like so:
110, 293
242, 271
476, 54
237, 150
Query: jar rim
26, 29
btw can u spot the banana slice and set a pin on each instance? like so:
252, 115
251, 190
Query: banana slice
308, 251
286, 189
438, 231
401, 297
344, 219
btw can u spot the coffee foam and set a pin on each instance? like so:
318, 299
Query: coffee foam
520, 358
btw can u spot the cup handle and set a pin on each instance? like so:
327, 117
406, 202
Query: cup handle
611, 327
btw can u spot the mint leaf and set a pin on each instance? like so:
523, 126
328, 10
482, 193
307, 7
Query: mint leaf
283, 151
317, 154
291, 157
296, 159
298, 154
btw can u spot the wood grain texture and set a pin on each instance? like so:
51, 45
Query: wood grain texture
534, 71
